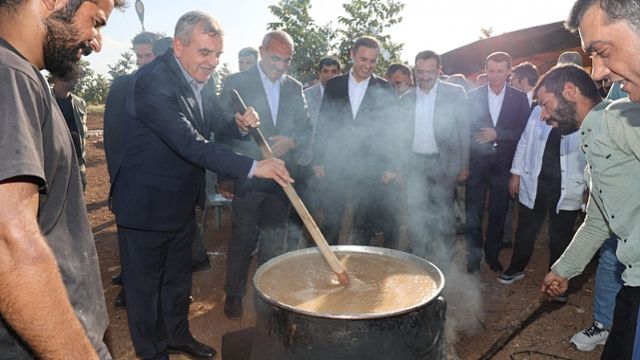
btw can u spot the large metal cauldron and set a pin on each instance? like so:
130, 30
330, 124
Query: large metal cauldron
287, 333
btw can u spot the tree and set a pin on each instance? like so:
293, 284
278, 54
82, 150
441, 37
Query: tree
486, 33
220, 75
311, 41
125, 65
92, 87
370, 17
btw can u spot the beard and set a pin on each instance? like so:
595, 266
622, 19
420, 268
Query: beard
566, 116
61, 48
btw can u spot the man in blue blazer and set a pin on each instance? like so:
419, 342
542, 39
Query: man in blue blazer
260, 208
498, 115
352, 148
169, 113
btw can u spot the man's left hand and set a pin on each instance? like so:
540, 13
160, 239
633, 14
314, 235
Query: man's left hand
248, 120
281, 145
485, 135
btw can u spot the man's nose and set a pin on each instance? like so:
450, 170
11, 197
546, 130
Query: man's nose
96, 43
599, 71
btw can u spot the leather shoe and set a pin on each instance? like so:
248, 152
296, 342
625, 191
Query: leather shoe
117, 279
120, 302
495, 265
201, 265
194, 349
233, 307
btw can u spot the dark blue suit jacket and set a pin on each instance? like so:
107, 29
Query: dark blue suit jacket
159, 179
511, 122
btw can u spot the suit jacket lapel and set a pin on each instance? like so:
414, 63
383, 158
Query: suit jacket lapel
368, 97
186, 92
505, 104
266, 122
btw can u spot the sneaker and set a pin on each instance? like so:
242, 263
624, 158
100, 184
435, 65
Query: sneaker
589, 338
507, 279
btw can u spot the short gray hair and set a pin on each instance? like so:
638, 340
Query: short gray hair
277, 35
188, 22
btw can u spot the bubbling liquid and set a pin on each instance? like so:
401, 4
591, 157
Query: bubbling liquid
378, 284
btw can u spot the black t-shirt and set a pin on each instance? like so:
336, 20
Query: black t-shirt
35, 142
66, 107
550, 173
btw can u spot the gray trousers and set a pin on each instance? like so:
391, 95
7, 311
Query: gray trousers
430, 200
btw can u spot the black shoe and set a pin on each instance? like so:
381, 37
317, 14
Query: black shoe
233, 307
473, 267
120, 302
117, 279
194, 349
203, 264
495, 265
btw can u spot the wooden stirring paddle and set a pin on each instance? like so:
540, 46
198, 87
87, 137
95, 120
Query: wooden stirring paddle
308, 221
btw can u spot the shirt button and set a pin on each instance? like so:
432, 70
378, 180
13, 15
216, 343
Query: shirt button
624, 241
630, 266
613, 216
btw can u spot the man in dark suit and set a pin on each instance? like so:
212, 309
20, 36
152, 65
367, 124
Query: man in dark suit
169, 110
352, 151
113, 122
498, 114
260, 209
435, 151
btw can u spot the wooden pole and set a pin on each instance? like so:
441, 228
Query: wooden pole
297, 203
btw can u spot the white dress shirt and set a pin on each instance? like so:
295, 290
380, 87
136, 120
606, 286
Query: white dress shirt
356, 92
495, 103
424, 139
272, 89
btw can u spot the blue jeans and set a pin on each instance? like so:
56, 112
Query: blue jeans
608, 282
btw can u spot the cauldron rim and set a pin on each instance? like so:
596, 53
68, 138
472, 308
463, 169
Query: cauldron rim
433, 271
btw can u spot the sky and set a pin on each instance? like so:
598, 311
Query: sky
439, 25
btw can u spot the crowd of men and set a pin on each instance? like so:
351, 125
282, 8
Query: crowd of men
355, 138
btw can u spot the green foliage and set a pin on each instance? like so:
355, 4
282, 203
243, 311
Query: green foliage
92, 87
311, 41
125, 65
370, 17
220, 75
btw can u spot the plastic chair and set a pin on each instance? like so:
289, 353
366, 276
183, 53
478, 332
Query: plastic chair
213, 200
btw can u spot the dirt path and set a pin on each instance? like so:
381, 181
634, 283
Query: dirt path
479, 308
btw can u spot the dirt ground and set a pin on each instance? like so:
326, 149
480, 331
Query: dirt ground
480, 310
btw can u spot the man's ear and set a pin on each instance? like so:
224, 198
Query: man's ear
178, 45
54, 5
570, 91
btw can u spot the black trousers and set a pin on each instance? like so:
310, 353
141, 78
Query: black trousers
375, 208
530, 221
157, 284
623, 342
255, 215
486, 174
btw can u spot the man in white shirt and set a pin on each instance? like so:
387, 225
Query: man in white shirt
435, 153
548, 177
353, 148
